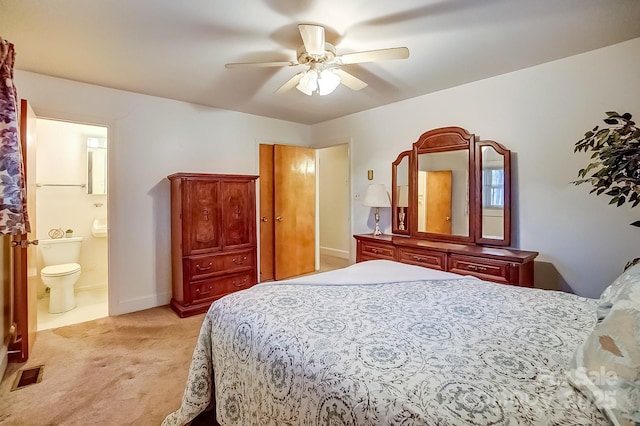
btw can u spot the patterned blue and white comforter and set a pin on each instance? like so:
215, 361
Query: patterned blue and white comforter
431, 352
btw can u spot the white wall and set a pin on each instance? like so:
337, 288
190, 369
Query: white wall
539, 113
152, 138
333, 177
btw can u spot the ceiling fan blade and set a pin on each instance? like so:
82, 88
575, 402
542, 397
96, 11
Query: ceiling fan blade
313, 38
373, 55
290, 84
350, 81
260, 64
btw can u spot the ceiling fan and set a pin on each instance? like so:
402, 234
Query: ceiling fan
324, 74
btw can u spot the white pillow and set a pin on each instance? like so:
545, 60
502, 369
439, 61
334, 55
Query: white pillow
606, 366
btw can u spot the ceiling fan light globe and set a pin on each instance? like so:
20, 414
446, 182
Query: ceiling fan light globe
308, 83
328, 82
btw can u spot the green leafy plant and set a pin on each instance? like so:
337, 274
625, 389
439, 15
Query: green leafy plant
615, 171
69, 231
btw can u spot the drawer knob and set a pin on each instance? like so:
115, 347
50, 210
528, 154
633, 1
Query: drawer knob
200, 268
239, 262
374, 251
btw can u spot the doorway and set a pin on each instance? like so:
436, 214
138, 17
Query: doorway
71, 195
320, 239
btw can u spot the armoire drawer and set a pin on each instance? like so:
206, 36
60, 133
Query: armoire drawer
486, 269
429, 259
214, 288
199, 267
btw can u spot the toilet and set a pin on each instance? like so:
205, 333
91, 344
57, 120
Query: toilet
61, 271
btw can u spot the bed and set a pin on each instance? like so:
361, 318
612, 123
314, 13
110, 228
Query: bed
385, 343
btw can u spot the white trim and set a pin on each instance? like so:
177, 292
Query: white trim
140, 303
4, 360
328, 251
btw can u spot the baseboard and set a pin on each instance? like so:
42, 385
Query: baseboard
139, 304
327, 251
92, 287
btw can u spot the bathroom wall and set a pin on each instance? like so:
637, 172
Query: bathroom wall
61, 159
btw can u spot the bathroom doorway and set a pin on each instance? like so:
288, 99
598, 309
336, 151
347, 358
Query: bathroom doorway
71, 195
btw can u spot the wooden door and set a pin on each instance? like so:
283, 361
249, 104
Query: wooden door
294, 189
24, 251
439, 202
267, 230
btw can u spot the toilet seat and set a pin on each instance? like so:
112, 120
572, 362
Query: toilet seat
60, 270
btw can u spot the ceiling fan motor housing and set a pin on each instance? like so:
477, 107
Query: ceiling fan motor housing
328, 56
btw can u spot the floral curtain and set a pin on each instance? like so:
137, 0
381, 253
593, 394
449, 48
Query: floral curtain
13, 203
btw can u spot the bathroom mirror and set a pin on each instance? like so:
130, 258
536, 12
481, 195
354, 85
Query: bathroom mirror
96, 166
459, 189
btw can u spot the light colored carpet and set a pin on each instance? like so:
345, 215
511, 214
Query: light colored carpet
122, 370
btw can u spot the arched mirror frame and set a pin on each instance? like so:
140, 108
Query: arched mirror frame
400, 215
451, 139
435, 141
506, 231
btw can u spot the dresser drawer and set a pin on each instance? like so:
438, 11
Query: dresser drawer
429, 259
214, 288
376, 251
486, 269
198, 267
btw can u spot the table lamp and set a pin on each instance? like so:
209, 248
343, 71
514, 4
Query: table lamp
376, 196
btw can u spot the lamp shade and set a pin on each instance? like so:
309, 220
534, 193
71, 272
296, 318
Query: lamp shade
376, 196
403, 196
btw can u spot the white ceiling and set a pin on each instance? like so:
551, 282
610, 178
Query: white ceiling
177, 49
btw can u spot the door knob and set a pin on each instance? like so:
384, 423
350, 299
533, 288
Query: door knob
264, 219
24, 243
279, 218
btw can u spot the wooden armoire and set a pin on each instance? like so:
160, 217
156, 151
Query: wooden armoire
213, 238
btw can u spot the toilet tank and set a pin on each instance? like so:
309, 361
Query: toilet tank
61, 250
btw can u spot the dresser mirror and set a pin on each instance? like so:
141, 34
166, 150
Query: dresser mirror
458, 189
443, 193
495, 193
400, 194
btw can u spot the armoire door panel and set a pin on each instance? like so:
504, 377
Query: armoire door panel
238, 214
204, 218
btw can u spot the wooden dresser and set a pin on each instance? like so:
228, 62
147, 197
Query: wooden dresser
501, 265
213, 238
